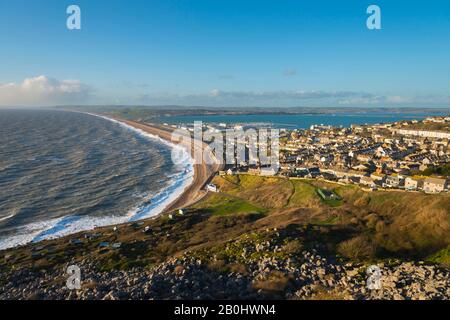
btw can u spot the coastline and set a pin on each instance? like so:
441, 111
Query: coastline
203, 173
186, 189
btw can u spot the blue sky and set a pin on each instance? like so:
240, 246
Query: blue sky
225, 53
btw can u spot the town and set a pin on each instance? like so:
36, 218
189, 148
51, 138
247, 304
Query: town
405, 155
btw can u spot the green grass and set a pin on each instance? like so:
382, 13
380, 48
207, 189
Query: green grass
265, 192
441, 257
304, 194
220, 205
331, 202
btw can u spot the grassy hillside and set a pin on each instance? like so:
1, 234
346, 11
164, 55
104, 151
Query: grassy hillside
363, 226
384, 223
220, 204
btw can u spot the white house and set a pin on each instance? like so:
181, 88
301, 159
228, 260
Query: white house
212, 187
393, 182
367, 181
434, 185
413, 184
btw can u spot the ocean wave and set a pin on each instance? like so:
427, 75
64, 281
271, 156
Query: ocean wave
150, 207
7, 217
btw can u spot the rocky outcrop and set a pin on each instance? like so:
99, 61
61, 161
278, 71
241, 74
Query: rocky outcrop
268, 270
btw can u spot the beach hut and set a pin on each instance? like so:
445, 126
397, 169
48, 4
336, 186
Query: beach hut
116, 245
147, 229
38, 248
212, 187
103, 244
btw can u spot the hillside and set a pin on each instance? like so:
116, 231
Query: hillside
285, 220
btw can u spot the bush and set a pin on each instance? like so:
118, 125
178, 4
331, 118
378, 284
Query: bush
293, 247
441, 171
358, 248
276, 282
178, 270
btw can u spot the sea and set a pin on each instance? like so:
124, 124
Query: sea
64, 172
302, 121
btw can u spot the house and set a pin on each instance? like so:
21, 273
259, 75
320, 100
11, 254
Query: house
301, 172
393, 182
364, 157
328, 195
326, 158
378, 178
329, 176
212, 187
367, 181
354, 179
147, 229
116, 245
413, 184
414, 166
434, 185
314, 172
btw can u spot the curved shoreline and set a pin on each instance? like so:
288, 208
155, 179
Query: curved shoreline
182, 193
152, 133
203, 173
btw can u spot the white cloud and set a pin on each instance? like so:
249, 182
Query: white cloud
44, 91
215, 93
397, 99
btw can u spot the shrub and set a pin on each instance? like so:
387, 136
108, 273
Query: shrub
276, 282
178, 270
357, 248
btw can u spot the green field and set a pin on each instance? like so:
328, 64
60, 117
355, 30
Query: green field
220, 204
